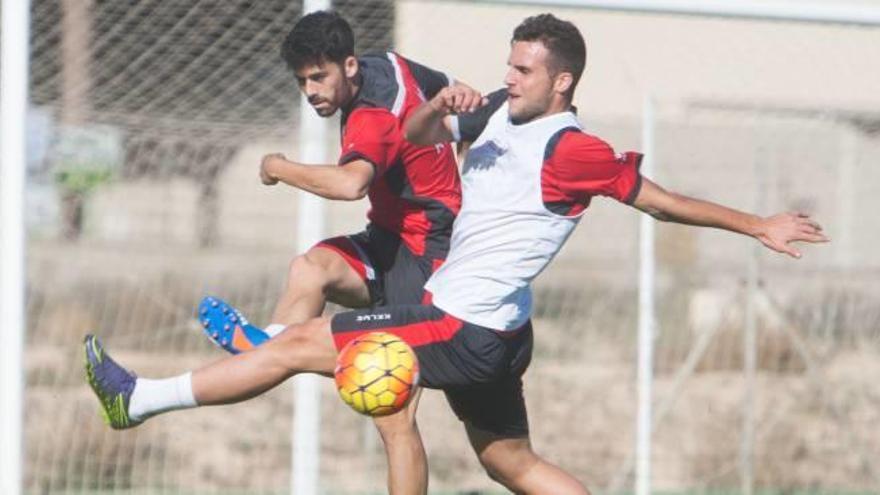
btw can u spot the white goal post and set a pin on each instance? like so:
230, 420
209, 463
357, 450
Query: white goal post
13, 105
306, 441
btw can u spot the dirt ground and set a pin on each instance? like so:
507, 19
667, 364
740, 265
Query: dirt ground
815, 423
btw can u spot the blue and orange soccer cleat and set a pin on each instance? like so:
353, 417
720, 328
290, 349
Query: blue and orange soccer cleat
112, 383
227, 327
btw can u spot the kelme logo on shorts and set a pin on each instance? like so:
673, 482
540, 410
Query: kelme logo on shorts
374, 317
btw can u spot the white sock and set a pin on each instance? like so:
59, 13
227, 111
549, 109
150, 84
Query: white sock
152, 397
274, 329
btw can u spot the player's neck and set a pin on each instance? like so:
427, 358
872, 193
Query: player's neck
558, 105
354, 87
551, 111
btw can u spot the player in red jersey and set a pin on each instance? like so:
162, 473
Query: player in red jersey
414, 193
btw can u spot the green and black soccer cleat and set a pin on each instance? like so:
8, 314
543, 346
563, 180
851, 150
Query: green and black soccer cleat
112, 383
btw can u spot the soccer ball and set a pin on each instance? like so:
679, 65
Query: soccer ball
376, 374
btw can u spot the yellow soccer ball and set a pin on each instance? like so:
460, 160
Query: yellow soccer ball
376, 373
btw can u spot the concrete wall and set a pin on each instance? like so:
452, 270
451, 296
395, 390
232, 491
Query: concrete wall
674, 57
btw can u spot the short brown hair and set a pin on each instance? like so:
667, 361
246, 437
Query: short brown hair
568, 51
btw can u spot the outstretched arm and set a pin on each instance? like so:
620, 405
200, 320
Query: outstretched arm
776, 232
431, 123
349, 182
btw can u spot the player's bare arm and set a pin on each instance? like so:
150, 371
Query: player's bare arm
776, 232
349, 182
431, 124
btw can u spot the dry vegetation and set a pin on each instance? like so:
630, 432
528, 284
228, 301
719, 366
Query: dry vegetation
816, 422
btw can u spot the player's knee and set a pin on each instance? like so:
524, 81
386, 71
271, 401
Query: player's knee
288, 345
292, 335
298, 343
396, 426
304, 271
400, 426
506, 465
498, 474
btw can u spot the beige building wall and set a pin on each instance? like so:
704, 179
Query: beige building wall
677, 58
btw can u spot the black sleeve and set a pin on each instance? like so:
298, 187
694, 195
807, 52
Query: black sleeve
429, 80
470, 125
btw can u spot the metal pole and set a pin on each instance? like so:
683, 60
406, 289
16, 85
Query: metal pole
831, 12
750, 342
13, 106
646, 316
306, 442
747, 470
846, 194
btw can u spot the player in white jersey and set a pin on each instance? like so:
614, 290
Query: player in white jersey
527, 179
529, 175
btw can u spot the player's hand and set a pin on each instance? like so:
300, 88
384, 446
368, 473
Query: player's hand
459, 98
269, 167
778, 231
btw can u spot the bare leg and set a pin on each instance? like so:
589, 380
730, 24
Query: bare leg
511, 462
407, 462
314, 278
300, 348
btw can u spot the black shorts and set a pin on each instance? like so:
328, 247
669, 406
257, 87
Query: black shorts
393, 274
479, 369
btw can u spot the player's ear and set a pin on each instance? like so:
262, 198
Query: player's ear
563, 82
350, 65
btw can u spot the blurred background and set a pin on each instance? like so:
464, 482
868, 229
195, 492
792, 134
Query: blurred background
147, 123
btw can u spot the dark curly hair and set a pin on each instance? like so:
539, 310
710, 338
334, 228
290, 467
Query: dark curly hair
568, 52
322, 36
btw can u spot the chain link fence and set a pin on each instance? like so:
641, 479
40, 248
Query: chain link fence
149, 119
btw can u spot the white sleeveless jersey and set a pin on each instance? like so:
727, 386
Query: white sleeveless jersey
504, 235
